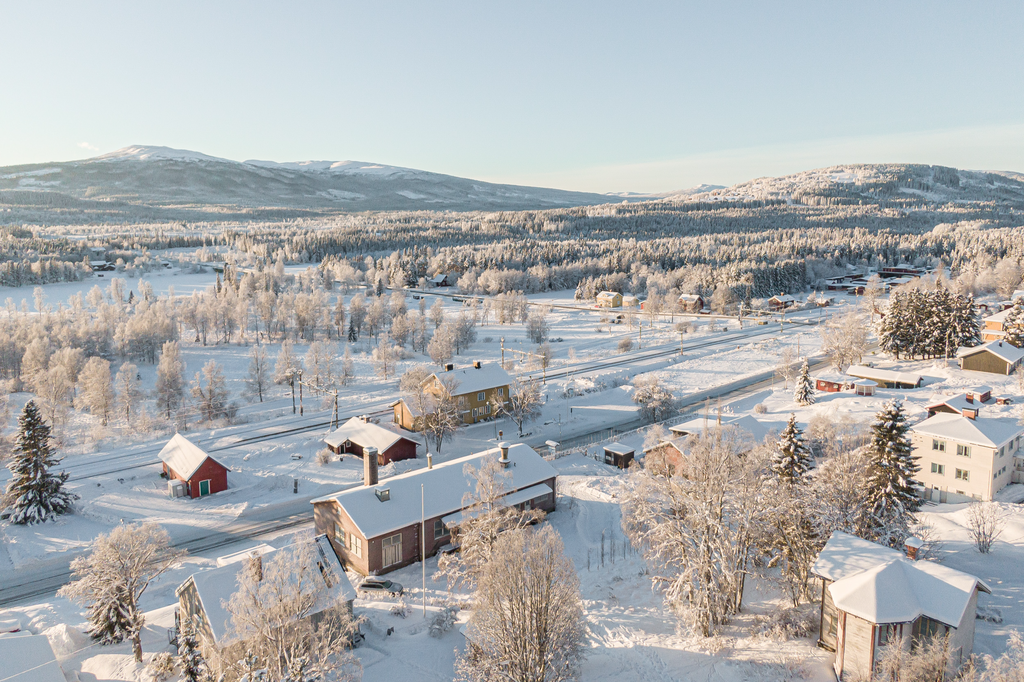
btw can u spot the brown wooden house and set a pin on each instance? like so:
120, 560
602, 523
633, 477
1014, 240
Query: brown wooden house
995, 357
359, 433
873, 597
376, 527
475, 388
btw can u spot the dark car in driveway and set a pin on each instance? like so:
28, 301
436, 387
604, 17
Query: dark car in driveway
379, 586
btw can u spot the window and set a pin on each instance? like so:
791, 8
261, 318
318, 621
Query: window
501, 392
925, 627
481, 396
392, 549
939, 469
339, 534
487, 409
462, 400
963, 475
1002, 451
474, 411
355, 544
887, 632
440, 530
939, 445
963, 450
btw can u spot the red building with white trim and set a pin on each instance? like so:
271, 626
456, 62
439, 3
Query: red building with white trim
185, 461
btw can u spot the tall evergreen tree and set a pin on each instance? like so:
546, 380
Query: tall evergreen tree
190, 659
803, 393
792, 458
34, 494
1013, 325
891, 494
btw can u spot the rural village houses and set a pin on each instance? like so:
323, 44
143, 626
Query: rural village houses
376, 527
476, 389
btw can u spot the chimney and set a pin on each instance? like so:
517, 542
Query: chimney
369, 466
256, 564
912, 546
365, 418
970, 397
449, 367
476, 364
500, 433
503, 460
430, 461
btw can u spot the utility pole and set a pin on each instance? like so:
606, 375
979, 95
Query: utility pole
423, 546
640, 338
300, 393
503, 352
291, 382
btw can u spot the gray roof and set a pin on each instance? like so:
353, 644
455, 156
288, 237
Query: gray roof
28, 658
444, 487
990, 432
363, 434
472, 379
215, 586
883, 375
1001, 349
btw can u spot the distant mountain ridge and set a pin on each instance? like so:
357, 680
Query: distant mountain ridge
163, 177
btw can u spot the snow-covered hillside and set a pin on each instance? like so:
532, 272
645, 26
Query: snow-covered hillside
161, 177
872, 183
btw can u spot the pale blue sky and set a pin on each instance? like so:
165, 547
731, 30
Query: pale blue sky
580, 95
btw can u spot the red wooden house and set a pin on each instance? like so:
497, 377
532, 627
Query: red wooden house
358, 433
184, 461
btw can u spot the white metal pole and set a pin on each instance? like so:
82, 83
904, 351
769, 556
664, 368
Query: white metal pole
423, 547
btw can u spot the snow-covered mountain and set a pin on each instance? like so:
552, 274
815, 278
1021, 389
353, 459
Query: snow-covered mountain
873, 183
164, 177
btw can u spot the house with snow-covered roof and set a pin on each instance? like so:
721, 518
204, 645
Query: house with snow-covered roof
359, 433
28, 658
204, 596
376, 527
966, 455
992, 328
873, 596
200, 474
476, 389
997, 357
609, 299
886, 378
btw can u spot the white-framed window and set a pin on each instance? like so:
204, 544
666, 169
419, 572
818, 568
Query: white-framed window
391, 549
462, 400
440, 530
355, 544
963, 475
474, 411
939, 469
481, 396
963, 450
501, 392
1002, 451
939, 445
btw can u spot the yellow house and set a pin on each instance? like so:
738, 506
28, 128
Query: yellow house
609, 299
476, 389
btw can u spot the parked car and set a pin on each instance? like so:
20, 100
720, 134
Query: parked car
380, 586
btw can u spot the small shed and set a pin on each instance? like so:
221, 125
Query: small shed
618, 455
995, 357
864, 387
609, 299
831, 382
186, 462
630, 301
358, 433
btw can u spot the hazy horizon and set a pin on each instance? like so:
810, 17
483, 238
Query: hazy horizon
580, 96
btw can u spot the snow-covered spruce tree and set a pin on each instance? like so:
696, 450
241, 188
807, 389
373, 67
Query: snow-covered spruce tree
792, 458
190, 658
111, 579
33, 493
803, 393
890, 494
1014, 324
964, 325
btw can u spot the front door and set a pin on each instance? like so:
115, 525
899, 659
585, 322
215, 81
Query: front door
204, 488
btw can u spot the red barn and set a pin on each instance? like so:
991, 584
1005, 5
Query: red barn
358, 433
184, 461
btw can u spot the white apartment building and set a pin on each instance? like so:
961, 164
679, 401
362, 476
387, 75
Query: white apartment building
965, 458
